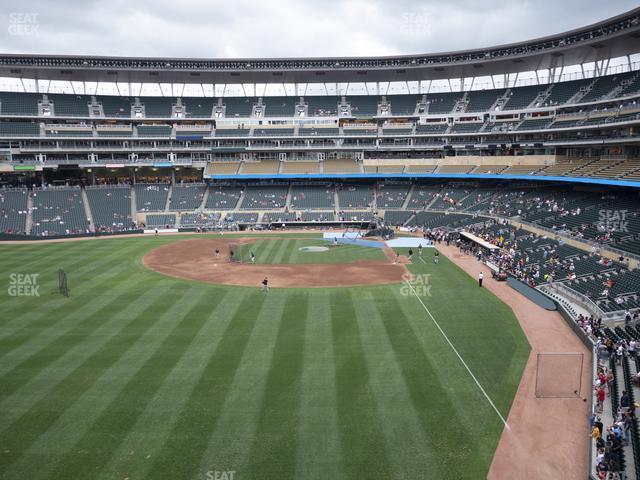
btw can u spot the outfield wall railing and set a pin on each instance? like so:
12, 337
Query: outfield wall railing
588, 343
8, 237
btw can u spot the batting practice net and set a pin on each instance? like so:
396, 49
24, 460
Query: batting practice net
559, 375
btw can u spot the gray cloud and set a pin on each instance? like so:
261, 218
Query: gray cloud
285, 28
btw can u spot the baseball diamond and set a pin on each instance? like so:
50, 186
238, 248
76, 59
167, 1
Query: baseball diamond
269, 241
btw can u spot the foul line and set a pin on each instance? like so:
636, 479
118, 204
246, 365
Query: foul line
458, 354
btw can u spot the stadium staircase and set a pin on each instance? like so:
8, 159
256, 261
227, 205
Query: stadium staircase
95, 108
134, 210
168, 203
87, 210
405, 205
29, 220
287, 202
336, 201
205, 197
574, 309
460, 200
541, 97
501, 101
461, 104
484, 126
581, 93
433, 200
240, 200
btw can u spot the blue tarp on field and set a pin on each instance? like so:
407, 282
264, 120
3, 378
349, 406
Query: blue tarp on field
352, 238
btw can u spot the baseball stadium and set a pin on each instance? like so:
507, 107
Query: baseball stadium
394, 267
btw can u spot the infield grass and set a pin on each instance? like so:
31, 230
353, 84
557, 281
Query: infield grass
293, 251
142, 376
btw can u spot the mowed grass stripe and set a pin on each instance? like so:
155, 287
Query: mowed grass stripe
21, 341
38, 419
19, 369
184, 447
472, 316
58, 439
265, 250
276, 435
116, 420
49, 261
409, 442
26, 256
154, 424
82, 282
318, 449
230, 443
38, 322
281, 251
361, 434
431, 395
455, 378
295, 252
17, 404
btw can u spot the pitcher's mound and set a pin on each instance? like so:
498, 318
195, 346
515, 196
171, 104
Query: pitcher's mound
195, 259
314, 248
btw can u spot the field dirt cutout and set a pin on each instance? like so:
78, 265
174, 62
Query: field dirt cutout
195, 260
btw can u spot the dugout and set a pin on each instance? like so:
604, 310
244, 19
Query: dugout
473, 240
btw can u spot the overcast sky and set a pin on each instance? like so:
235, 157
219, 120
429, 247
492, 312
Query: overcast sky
285, 28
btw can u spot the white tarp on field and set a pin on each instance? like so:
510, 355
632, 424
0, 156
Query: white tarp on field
406, 242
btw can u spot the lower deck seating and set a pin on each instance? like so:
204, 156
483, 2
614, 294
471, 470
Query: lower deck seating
110, 207
308, 216
58, 211
151, 197
279, 217
397, 218
264, 197
13, 210
355, 196
391, 196
223, 197
241, 217
161, 221
312, 197
186, 197
199, 219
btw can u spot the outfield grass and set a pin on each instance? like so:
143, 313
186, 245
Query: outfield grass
142, 376
289, 251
